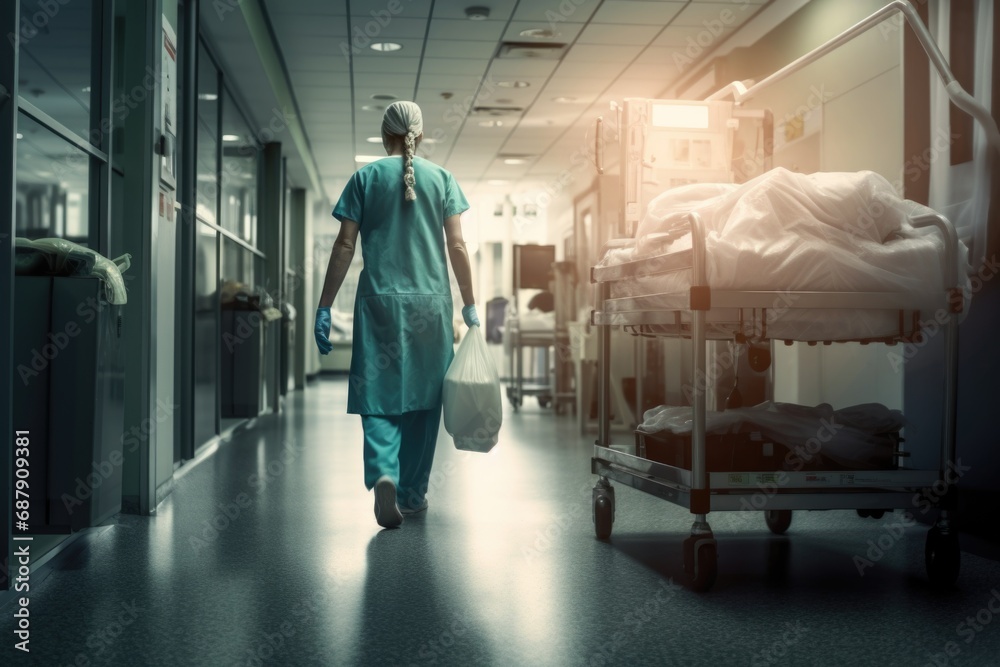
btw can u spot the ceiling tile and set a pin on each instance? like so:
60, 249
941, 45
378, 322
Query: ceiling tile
555, 14
454, 66
608, 33
386, 10
712, 16
640, 13
463, 29
617, 53
459, 49
367, 67
366, 29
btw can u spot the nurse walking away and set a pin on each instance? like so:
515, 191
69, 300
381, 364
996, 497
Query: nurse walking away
403, 334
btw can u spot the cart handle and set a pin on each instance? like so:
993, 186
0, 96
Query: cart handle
962, 99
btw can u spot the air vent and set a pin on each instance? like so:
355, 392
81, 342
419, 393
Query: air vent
497, 111
532, 50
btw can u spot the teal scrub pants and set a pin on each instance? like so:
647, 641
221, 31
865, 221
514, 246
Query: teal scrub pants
402, 447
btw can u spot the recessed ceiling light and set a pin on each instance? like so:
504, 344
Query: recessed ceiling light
496, 181
513, 84
374, 140
491, 123
230, 137
386, 46
515, 160
373, 107
208, 97
44, 174
383, 97
86, 89
429, 140
539, 33
365, 159
565, 100
20, 136
477, 13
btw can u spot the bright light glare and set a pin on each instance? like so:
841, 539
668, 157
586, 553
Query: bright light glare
685, 116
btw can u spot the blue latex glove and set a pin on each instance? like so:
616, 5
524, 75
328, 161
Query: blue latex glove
470, 317
322, 330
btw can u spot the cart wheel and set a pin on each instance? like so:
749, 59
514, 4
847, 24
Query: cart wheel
544, 402
876, 514
864, 514
701, 561
943, 557
778, 520
604, 516
515, 401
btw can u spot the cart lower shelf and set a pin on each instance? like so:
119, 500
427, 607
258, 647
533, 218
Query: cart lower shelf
776, 495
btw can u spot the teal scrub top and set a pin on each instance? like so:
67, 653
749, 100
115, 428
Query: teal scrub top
403, 339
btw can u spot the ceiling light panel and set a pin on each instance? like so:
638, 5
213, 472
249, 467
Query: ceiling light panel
409, 47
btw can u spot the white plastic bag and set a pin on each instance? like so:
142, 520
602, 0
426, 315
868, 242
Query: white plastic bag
472, 408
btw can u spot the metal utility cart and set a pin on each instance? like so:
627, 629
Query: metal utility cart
532, 270
703, 314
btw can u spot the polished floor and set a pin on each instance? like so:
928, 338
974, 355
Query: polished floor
267, 553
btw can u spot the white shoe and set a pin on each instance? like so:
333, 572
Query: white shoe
386, 512
414, 510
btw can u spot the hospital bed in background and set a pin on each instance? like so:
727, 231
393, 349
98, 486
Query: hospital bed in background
530, 330
706, 264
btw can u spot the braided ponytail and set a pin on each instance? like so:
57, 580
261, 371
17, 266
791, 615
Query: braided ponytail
409, 180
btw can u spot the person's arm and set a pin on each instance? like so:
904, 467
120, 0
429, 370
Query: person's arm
340, 262
459, 256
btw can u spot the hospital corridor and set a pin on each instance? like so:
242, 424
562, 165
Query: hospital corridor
500, 332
